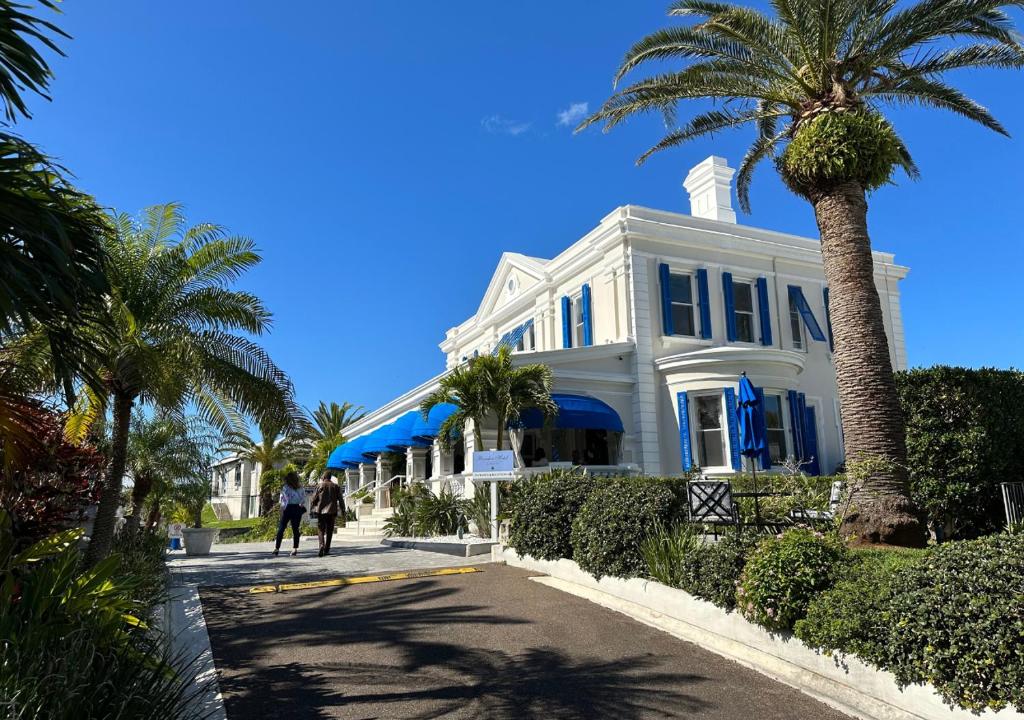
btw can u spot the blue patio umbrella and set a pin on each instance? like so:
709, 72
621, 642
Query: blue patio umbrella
750, 418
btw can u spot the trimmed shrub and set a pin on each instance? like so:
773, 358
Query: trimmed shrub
956, 620
965, 435
713, 571
614, 520
784, 574
852, 616
543, 510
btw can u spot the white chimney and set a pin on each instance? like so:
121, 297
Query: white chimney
710, 186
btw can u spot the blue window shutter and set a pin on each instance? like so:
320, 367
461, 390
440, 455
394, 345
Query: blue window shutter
685, 447
730, 307
796, 294
588, 326
764, 311
762, 426
796, 424
828, 320
566, 322
705, 304
734, 431
666, 299
810, 439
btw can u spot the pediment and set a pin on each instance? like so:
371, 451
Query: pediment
515, 275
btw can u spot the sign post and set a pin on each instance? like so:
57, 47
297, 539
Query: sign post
494, 466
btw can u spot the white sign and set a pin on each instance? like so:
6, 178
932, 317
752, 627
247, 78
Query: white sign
494, 462
174, 530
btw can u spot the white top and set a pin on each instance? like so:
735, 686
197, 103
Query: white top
290, 496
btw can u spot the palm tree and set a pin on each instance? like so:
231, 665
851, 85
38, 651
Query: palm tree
811, 79
275, 447
163, 450
322, 433
489, 385
171, 344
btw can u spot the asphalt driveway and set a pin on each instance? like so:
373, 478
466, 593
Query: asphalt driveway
488, 645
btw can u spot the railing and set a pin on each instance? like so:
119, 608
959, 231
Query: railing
1013, 503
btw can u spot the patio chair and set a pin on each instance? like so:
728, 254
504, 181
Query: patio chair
710, 502
835, 497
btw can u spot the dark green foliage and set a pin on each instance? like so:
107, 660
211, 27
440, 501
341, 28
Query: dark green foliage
965, 435
711, 573
141, 555
614, 520
439, 514
784, 574
665, 550
478, 510
793, 492
956, 620
840, 147
543, 510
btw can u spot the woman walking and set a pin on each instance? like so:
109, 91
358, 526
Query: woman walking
293, 506
325, 505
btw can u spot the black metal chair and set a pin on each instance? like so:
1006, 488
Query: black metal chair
710, 503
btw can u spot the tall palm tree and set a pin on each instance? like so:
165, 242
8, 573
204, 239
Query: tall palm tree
490, 386
276, 446
322, 433
173, 341
812, 79
162, 450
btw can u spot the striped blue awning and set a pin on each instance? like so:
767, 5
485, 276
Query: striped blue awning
512, 337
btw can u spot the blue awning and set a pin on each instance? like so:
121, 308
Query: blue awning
400, 436
575, 412
377, 441
427, 429
346, 455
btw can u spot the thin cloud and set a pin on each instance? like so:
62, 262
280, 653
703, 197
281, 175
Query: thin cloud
573, 114
500, 125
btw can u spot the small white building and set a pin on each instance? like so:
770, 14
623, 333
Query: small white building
235, 488
647, 322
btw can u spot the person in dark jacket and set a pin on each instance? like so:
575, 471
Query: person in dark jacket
326, 504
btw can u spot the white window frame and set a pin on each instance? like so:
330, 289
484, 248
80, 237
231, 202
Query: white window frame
694, 305
528, 342
753, 310
695, 430
798, 336
782, 395
576, 306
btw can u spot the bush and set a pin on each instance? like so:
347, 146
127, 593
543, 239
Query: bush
439, 514
141, 562
265, 528
852, 616
614, 520
543, 511
711, 573
796, 491
784, 574
667, 550
956, 620
965, 435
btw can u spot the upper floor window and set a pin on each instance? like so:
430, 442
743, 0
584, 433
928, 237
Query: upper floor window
238, 476
796, 325
775, 429
743, 310
577, 322
527, 340
683, 305
710, 430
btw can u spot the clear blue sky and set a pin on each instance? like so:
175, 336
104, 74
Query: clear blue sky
383, 155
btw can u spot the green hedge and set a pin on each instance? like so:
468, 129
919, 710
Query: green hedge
965, 435
615, 519
543, 511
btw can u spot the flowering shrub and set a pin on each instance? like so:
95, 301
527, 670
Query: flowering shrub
785, 573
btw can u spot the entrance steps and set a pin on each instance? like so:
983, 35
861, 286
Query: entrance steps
369, 527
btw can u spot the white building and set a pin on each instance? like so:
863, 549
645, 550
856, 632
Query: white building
235, 488
647, 322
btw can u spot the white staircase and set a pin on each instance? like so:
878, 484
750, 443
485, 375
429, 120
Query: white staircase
368, 527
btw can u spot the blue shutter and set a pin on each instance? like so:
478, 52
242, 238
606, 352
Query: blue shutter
734, 430
705, 304
666, 299
764, 310
828, 320
566, 322
685, 448
762, 426
811, 439
796, 424
588, 327
796, 294
730, 307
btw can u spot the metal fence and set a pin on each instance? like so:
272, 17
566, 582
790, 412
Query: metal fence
1013, 502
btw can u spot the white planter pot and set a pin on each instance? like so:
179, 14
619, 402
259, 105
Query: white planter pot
198, 540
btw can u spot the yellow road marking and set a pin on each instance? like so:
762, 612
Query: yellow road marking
340, 582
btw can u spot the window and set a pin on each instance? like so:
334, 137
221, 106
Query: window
578, 337
681, 293
710, 436
238, 476
743, 310
527, 341
775, 430
796, 324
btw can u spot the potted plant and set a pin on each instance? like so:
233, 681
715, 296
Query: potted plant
192, 496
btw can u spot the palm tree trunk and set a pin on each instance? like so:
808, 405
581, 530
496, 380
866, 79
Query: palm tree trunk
882, 511
106, 515
501, 432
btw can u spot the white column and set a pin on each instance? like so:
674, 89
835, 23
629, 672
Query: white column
416, 464
351, 481
380, 500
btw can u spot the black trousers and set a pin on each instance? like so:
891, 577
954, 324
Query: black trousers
291, 514
325, 529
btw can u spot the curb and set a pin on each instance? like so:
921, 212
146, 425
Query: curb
186, 631
456, 549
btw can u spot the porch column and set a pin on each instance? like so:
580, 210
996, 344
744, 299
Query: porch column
380, 501
351, 481
441, 465
416, 464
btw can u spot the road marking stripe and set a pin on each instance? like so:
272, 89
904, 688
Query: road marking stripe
340, 582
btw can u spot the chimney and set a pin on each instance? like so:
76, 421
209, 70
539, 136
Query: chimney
710, 188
